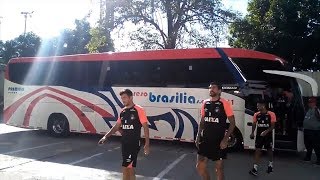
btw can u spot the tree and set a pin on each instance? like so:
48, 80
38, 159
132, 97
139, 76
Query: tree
100, 41
168, 24
28, 45
1, 51
22, 46
73, 41
289, 29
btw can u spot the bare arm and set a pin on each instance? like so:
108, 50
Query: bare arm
270, 128
113, 130
201, 127
254, 126
146, 133
231, 126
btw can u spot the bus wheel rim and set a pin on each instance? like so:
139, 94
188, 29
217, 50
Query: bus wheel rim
232, 141
58, 126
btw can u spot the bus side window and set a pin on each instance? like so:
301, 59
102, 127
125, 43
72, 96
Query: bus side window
203, 71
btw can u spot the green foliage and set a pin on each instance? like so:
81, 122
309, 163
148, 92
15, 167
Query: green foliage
22, 46
99, 41
166, 23
287, 28
70, 41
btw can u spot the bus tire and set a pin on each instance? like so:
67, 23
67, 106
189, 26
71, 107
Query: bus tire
235, 142
58, 125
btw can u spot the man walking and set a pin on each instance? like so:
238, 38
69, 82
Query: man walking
131, 119
264, 121
212, 138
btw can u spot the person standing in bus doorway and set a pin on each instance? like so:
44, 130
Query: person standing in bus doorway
212, 137
311, 125
131, 119
264, 121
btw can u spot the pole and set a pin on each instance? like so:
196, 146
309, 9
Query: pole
25, 20
25, 24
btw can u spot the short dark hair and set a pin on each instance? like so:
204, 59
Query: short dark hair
262, 101
216, 84
127, 92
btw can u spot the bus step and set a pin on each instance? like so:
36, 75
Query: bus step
285, 137
281, 144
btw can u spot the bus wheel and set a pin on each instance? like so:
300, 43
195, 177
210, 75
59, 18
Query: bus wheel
58, 125
235, 142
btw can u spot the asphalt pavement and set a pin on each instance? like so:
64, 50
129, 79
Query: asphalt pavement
34, 155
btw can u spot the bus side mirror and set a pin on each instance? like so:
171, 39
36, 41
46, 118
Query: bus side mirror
249, 124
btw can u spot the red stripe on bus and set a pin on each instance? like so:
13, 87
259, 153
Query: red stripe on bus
168, 54
99, 110
8, 112
169, 138
83, 118
157, 137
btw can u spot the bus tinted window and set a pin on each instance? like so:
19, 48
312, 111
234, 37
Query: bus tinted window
150, 73
204, 71
169, 73
247, 66
134, 73
68, 74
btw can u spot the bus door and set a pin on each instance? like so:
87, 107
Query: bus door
296, 108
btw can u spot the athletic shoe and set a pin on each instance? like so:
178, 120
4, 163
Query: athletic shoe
270, 169
253, 172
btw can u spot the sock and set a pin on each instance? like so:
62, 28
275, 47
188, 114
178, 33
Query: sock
270, 163
255, 166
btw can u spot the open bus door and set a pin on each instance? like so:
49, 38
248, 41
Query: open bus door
314, 88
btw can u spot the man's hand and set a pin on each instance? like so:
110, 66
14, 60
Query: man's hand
146, 149
264, 133
251, 136
120, 131
197, 141
224, 143
102, 140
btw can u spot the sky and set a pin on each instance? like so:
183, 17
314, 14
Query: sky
50, 17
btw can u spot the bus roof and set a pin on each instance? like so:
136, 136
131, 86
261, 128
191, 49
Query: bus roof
166, 54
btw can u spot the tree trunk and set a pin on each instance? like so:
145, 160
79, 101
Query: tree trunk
171, 40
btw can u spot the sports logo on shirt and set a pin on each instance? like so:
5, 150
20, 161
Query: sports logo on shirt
132, 117
127, 126
217, 109
263, 125
211, 119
